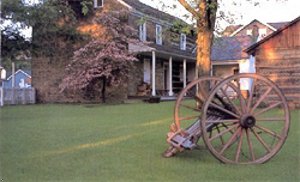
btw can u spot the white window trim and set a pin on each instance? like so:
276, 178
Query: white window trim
183, 41
96, 4
159, 34
143, 32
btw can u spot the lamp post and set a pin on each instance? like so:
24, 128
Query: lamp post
2, 78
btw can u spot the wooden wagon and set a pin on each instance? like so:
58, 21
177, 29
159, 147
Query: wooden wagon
243, 119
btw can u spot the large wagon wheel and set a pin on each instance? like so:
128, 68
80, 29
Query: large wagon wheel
253, 125
185, 130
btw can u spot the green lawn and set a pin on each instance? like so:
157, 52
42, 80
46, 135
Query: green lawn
118, 143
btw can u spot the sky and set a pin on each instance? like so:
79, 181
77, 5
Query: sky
267, 11
244, 12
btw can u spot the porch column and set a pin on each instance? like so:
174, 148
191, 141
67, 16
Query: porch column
153, 73
170, 76
184, 73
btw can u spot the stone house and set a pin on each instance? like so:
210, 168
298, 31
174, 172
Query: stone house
278, 58
167, 62
166, 59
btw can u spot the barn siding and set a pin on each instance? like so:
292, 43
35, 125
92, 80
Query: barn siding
279, 59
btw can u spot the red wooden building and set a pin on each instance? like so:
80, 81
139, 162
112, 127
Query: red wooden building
278, 58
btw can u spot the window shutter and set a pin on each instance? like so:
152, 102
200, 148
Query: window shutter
183, 41
159, 34
143, 32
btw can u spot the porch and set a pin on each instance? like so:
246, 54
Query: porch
161, 73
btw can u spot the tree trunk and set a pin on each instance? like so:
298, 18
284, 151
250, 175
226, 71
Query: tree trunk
103, 91
204, 42
206, 25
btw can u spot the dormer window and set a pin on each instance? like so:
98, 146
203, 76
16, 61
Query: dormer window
143, 32
98, 3
159, 34
183, 41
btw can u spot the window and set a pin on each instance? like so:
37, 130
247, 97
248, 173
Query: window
249, 32
183, 41
98, 3
143, 32
159, 34
262, 32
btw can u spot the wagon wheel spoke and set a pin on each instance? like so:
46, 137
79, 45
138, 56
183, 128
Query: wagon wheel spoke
261, 140
230, 141
224, 110
238, 150
268, 108
234, 105
261, 99
241, 98
229, 129
250, 145
222, 121
249, 102
270, 132
270, 119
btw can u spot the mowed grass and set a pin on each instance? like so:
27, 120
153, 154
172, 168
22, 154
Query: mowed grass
118, 143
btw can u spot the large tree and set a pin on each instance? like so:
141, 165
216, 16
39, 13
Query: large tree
204, 13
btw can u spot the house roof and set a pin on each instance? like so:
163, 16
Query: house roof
252, 47
141, 7
242, 27
230, 48
278, 25
234, 29
25, 72
230, 29
175, 50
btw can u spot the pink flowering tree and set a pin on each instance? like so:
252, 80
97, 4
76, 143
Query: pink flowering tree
105, 59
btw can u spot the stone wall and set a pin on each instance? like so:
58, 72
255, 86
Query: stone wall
47, 74
159, 75
135, 78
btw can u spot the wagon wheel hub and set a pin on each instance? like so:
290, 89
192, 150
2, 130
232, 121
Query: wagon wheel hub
247, 121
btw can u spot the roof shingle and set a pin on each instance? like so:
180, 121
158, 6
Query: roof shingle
230, 48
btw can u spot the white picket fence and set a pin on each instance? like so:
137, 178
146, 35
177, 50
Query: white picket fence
14, 96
